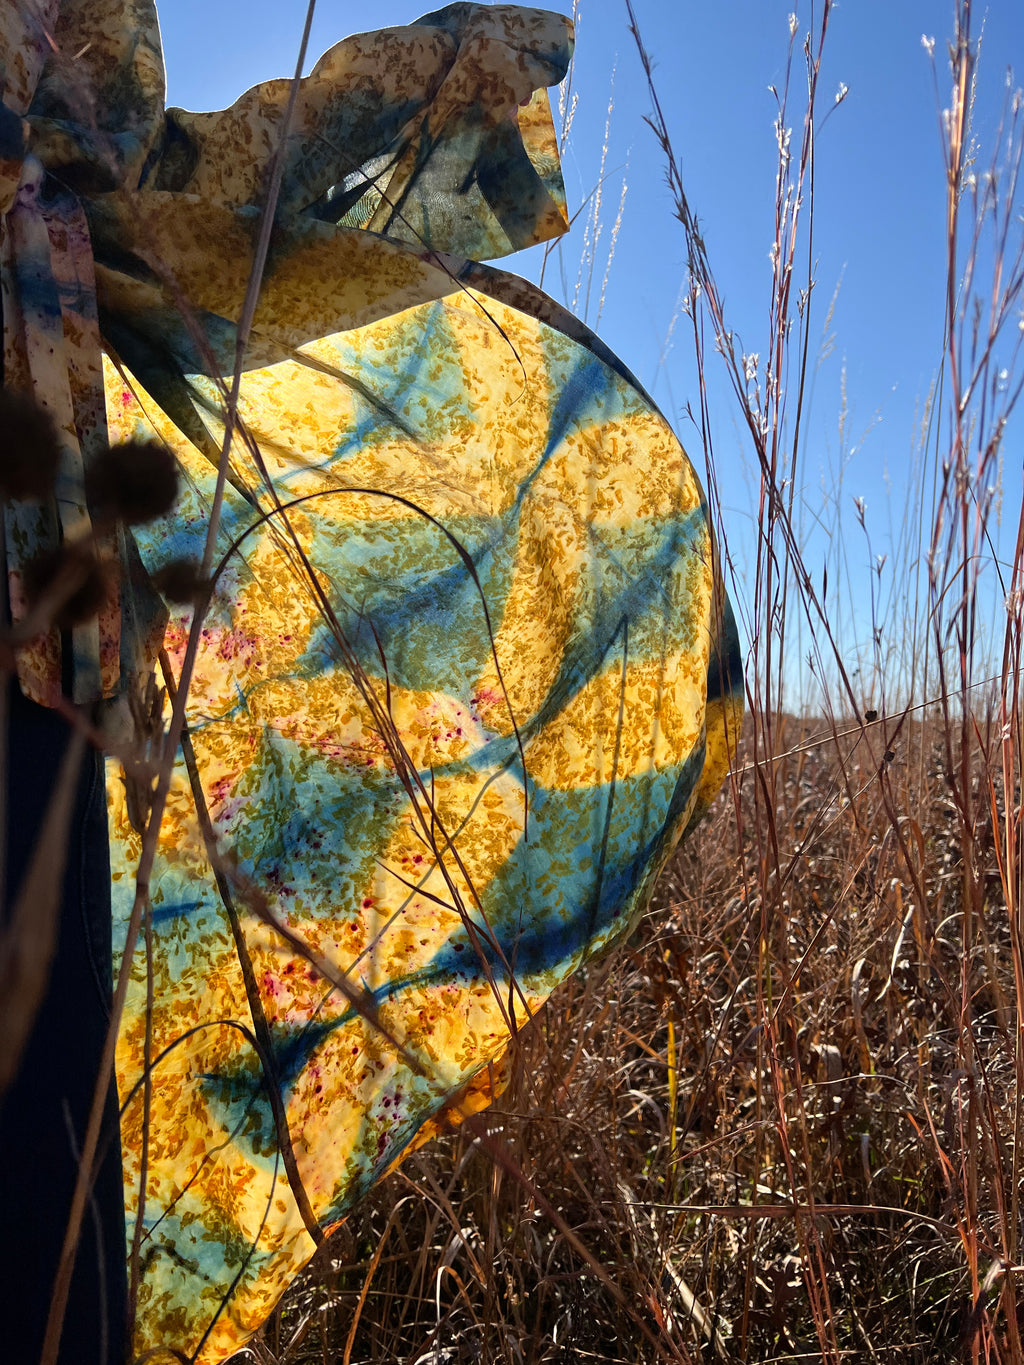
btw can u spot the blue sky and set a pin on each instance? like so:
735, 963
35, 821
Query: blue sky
880, 193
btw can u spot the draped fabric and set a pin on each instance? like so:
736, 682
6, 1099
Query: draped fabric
467, 672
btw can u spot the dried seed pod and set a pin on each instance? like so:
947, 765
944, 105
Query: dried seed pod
29, 448
133, 482
74, 579
181, 581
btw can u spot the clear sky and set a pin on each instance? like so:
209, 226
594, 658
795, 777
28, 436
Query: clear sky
879, 226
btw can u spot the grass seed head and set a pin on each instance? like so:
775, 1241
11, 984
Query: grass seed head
133, 482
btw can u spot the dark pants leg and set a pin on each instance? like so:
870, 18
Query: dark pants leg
43, 1117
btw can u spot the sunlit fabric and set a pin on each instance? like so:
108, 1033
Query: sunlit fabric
468, 672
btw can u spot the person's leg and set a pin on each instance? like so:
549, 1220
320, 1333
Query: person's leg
44, 1115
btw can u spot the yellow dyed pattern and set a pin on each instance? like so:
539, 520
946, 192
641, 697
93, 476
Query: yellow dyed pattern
483, 805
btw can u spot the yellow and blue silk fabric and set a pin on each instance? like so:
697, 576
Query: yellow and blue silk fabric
467, 672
